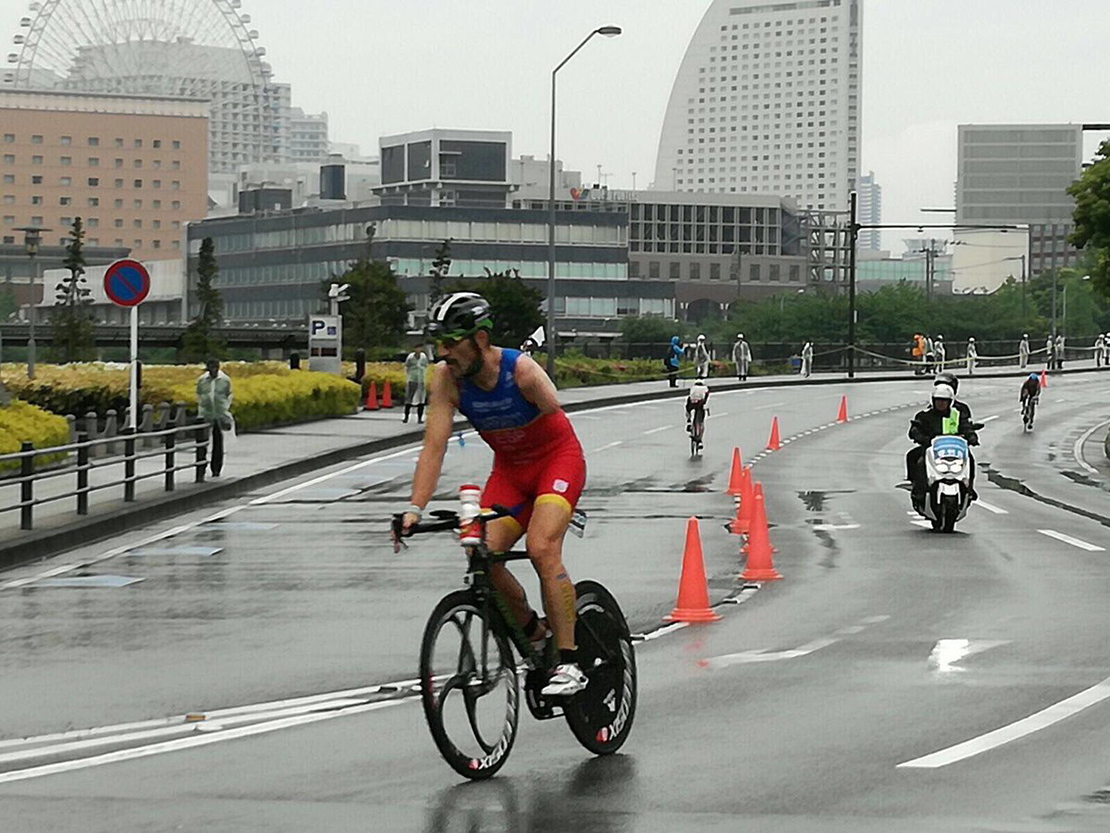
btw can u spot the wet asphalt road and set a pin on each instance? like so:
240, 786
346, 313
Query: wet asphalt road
884, 643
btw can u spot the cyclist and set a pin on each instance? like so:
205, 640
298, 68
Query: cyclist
1031, 393
697, 403
538, 466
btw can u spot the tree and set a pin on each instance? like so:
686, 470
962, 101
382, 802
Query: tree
515, 305
8, 305
377, 313
200, 340
441, 266
72, 314
649, 329
1092, 217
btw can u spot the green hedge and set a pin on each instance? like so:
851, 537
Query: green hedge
21, 422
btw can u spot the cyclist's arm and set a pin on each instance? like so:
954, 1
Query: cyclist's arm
536, 386
437, 431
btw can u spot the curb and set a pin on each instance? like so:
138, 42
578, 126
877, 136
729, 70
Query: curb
40, 545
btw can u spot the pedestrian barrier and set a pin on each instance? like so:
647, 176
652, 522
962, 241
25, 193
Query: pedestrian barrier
693, 589
760, 566
82, 453
773, 443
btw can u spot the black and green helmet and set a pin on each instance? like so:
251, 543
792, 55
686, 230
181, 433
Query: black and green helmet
458, 316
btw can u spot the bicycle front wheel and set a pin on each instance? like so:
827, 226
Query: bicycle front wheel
469, 687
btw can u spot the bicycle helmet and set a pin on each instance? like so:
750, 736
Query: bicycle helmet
458, 316
1035, 377
948, 379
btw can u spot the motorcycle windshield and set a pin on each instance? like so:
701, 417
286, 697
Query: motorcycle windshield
950, 447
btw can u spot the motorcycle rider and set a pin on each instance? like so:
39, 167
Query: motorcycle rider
939, 419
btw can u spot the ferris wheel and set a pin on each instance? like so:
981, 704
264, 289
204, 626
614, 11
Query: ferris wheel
171, 47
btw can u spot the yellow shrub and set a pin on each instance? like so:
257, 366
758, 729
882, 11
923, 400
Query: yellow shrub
259, 401
20, 422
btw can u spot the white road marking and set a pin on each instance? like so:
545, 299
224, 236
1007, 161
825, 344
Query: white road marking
613, 444
585, 416
990, 507
762, 655
192, 741
990, 418
1077, 449
765, 407
924, 524
658, 430
947, 652
1015, 731
835, 526
1067, 539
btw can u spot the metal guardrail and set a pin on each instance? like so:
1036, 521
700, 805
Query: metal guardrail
198, 432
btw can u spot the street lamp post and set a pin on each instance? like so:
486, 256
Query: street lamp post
853, 239
609, 32
32, 239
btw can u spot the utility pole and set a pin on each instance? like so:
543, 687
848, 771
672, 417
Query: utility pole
853, 238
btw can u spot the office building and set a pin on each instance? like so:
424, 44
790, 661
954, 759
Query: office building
767, 101
1018, 174
870, 212
133, 168
464, 168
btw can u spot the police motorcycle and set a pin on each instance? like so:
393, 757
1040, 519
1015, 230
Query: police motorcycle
948, 478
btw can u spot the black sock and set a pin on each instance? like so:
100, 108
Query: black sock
568, 655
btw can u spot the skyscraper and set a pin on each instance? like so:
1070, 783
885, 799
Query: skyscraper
870, 211
767, 101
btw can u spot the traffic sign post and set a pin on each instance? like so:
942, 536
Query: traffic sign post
127, 283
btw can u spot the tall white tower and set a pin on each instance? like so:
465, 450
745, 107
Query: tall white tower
767, 101
870, 211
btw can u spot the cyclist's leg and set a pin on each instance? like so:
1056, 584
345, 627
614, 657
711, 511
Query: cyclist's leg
503, 533
559, 486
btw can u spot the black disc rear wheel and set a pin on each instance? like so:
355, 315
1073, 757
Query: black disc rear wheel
601, 716
469, 687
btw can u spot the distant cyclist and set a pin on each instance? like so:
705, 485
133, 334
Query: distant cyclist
1030, 395
538, 466
697, 404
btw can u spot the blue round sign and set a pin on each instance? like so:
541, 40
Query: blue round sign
127, 283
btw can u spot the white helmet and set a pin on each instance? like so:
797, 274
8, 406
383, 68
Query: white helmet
972, 338
701, 338
740, 335
943, 392
940, 338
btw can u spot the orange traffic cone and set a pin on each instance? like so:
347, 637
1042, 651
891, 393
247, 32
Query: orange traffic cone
734, 474
693, 591
743, 520
372, 397
1044, 379
842, 414
773, 443
756, 492
760, 566
387, 395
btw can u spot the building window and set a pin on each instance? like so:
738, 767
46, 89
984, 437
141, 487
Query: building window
94, 182
9, 219
157, 203
138, 163
65, 180
36, 140
138, 244
36, 160
176, 185
9, 179
118, 204
695, 271
176, 205
9, 199
36, 221
157, 183
176, 145
653, 269
157, 244
9, 138
94, 222
67, 140
94, 202
176, 165
119, 183
137, 204
119, 163
138, 183
157, 224
9, 158
67, 161
36, 200
94, 162
94, 142
753, 271
119, 144
177, 244
137, 223
714, 271
675, 270
65, 201
36, 180
157, 143
138, 143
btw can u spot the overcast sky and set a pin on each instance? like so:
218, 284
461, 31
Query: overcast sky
383, 66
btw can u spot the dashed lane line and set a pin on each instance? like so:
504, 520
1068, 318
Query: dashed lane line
1075, 542
658, 430
997, 510
607, 446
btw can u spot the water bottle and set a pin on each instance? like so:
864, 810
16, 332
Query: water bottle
470, 532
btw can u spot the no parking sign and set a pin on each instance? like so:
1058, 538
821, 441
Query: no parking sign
127, 283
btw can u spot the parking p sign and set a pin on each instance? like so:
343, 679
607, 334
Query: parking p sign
325, 343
